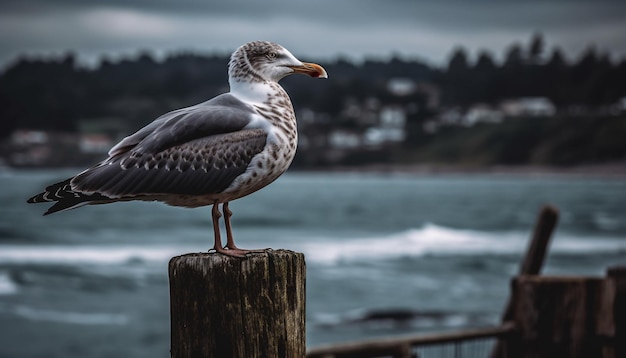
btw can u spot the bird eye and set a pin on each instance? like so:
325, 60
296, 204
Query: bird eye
271, 55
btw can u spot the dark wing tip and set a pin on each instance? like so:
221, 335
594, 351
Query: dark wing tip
37, 199
67, 204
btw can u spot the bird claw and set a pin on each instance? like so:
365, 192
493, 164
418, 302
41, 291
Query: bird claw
237, 252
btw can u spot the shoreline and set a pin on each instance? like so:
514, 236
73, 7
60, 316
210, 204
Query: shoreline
608, 170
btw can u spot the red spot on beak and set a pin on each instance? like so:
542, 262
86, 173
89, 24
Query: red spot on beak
311, 69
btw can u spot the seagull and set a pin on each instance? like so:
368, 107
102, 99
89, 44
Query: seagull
208, 154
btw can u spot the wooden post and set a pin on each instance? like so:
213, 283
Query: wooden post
532, 262
557, 316
617, 275
538, 245
224, 306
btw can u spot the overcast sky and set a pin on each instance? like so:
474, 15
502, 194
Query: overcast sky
315, 29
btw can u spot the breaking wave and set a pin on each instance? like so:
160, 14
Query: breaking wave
438, 240
80, 318
394, 318
7, 286
428, 240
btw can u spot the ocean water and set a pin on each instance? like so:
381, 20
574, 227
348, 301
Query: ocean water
386, 254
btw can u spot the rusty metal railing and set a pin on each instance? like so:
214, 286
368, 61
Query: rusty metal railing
460, 344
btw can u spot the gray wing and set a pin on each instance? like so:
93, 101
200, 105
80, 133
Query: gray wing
203, 166
222, 114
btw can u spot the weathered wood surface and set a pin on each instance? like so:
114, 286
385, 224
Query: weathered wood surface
532, 262
538, 246
560, 316
618, 276
238, 307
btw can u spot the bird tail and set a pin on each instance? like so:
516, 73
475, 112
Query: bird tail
65, 198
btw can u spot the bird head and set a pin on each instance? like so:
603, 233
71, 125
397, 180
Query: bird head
267, 61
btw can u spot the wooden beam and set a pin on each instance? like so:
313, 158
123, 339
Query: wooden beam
557, 316
617, 275
532, 262
225, 306
540, 241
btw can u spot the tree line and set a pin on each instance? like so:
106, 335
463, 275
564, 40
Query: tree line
592, 80
56, 93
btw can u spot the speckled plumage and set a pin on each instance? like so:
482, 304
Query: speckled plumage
207, 154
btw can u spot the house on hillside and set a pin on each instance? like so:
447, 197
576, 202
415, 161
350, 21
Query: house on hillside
528, 106
402, 87
390, 128
482, 113
33, 148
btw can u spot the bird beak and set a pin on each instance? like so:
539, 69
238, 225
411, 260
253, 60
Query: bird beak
311, 69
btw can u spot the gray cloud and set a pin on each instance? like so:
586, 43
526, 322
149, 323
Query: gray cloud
427, 29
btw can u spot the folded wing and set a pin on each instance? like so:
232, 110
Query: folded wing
198, 150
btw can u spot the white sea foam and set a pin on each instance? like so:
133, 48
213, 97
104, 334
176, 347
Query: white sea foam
605, 221
437, 240
70, 317
429, 240
7, 286
95, 255
416, 319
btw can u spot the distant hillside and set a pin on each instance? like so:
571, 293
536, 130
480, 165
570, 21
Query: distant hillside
559, 140
58, 95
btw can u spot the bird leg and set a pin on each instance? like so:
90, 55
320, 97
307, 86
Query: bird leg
215, 214
230, 241
217, 246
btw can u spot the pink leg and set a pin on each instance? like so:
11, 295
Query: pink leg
217, 246
230, 243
